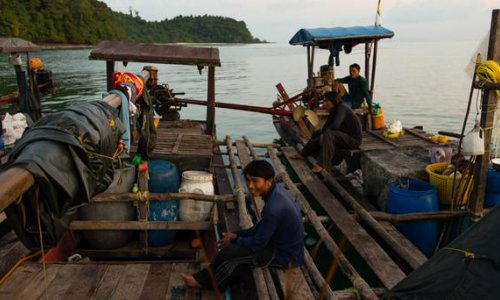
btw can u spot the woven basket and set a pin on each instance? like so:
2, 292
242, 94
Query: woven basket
444, 183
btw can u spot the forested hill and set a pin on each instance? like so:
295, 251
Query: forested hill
89, 21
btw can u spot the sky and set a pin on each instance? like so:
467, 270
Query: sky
278, 20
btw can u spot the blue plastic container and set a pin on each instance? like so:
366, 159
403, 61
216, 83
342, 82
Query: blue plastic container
491, 199
492, 180
417, 196
163, 178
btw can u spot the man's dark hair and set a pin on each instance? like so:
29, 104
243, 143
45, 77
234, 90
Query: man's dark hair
356, 66
334, 97
259, 168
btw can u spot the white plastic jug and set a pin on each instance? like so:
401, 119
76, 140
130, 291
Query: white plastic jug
198, 182
473, 142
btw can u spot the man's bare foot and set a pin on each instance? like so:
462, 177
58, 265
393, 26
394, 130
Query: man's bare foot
316, 169
190, 281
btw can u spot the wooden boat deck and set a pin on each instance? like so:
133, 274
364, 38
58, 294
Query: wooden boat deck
116, 280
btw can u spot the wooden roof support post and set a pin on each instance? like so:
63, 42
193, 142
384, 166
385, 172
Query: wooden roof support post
110, 69
488, 104
211, 101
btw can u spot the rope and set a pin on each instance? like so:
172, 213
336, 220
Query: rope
467, 254
39, 222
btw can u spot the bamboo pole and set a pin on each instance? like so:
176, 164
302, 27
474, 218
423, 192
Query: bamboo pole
14, 182
259, 203
488, 104
441, 215
309, 263
365, 216
245, 221
128, 197
357, 281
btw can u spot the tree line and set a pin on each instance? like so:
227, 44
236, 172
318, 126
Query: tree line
90, 21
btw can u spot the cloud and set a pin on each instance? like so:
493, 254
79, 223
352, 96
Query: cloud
278, 20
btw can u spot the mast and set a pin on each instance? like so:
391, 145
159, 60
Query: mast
489, 100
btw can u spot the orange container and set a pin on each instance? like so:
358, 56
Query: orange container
378, 120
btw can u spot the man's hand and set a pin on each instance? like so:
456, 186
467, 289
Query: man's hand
226, 239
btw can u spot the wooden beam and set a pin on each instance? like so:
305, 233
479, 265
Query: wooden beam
379, 261
359, 284
138, 225
128, 197
211, 101
14, 182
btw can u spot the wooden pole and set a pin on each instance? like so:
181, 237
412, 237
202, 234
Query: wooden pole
211, 101
357, 281
488, 105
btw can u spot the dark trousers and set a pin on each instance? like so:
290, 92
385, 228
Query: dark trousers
230, 264
325, 152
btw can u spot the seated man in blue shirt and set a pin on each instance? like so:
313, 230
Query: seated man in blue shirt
277, 239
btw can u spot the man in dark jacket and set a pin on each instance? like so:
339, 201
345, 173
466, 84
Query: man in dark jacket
342, 130
358, 88
277, 239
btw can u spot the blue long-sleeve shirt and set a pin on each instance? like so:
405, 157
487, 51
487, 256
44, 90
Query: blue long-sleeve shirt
281, 228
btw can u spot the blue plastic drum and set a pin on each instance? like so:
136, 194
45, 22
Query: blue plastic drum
413, 196
163, 178
492, 181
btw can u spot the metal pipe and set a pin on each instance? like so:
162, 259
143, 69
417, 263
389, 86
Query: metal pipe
259, 109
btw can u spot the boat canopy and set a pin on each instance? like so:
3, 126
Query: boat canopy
155, 53
323, 37
13, 45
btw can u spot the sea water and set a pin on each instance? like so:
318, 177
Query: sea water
418, 83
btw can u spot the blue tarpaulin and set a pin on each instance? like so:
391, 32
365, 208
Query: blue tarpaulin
357, 34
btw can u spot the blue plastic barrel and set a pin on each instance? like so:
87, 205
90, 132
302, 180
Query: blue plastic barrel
492, 181
412, 196
491, 199
163, 178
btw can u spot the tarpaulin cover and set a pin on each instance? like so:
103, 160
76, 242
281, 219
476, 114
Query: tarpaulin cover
69, 154
468, 268
313, 36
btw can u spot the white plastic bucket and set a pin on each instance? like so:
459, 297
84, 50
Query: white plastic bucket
198, 182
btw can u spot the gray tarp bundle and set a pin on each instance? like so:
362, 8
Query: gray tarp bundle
468, 268
60, 151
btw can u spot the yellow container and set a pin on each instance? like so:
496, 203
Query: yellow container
444, 183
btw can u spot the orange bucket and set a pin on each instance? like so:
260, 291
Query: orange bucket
378, 120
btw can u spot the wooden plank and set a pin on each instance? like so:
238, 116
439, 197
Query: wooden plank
86, 281
294, 284
109, 282
155, 286
18, 280
138, 225
176, 288
132, 282
378, 260
177, 143
67, 274
11, 250
35, 286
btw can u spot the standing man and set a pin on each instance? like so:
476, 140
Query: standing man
277, 239
358, 88
342, 130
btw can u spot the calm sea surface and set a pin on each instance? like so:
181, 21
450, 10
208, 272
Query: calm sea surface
417, 83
